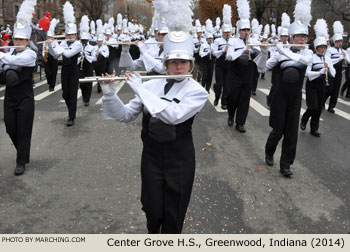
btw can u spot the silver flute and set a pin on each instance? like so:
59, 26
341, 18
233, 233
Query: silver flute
148, 77
324, 64
1, 47
249, 46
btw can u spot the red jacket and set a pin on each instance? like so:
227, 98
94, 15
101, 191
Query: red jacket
44, 23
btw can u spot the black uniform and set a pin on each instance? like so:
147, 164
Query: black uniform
19, 103
285, 109
315, 92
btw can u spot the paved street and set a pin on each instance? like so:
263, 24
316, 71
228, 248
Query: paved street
86, 178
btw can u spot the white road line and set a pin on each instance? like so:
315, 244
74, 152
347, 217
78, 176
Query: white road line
211, 98
259, 108
120, 84
79, 91
47, 93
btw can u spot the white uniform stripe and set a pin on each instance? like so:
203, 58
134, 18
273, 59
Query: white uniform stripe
120, 84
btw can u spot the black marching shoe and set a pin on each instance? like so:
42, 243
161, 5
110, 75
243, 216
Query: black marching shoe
70, 122
331, 110
302, 125
230, 122
269, 160
19, 169
286, 172
315, 133
216, 101
86, 104
253, 92
240, 128
224, 107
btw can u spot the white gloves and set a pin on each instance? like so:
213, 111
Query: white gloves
108, 88
323, 71
135, 82
280, 48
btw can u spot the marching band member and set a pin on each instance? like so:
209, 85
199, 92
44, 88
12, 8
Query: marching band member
284, 36
50, 59
207, 57
286, 101
345, 89
18, 69
319, 66
101, 52
87, 56
338, 55
198, 41
70, 49
169, 108
217, 34
241, 72
220, 48
150, 59
255, 36
112, 61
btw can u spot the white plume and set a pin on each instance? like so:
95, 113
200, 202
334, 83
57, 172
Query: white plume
209, 26
125, 23
218, 22
255, 26
273, 30
338, 28
25, 13
68, 13
198, 23
260, 28
160, 8
279, 29
178, 15
53, 25
111, 23
119, 19
243, 9
92, 27
105, 27
302, 12
321, 28
267, 29
99, 26
84, 24
227, 14
285, 20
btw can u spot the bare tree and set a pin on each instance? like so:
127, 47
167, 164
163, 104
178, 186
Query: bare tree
93, 8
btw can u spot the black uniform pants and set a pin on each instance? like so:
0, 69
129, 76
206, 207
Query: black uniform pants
256, 77
346, 85
238, 102
51, 67
220, 87
207, 69
70, 83
19, 117
167, 174
314, 102
86, 88
333, 92
284, 120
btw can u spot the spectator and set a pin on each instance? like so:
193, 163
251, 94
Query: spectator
44, 22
